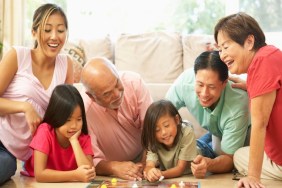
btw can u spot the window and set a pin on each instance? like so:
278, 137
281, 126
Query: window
88, 18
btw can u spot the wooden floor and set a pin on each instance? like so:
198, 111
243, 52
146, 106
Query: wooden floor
212, 181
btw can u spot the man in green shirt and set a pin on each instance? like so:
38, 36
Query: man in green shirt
222, 110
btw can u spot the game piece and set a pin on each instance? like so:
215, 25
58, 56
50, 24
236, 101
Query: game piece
181, 184
103, 186
134, 185
114, 180
173, 186
161, 178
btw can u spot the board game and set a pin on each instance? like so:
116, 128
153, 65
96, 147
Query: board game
143, 183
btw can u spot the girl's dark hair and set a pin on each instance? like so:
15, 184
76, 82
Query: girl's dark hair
64, 99
211, 60
42, 14
238, 27
155, 111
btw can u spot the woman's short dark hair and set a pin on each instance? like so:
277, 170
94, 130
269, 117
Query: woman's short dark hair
155, 111
238, 27
211, 60
64, 99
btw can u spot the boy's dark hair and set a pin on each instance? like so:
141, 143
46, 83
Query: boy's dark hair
156, 110
64, 99
211, 60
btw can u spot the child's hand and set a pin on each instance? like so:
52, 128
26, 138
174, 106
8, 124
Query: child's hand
153, 174
85, 173
75, 136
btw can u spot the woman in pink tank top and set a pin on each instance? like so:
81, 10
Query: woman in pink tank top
27, 79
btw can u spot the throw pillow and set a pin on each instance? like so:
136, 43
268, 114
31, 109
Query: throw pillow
76, 53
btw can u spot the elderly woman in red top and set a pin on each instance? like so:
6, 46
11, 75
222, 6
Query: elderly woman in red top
242, 47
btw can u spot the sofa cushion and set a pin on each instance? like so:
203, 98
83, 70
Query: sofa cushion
98, 46
76, 53
194, 45
156, 56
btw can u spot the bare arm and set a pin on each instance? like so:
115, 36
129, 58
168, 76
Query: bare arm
221, 164
261, 108
69, 77
177, 170
8, 69
152, 174
80, 157
42, 174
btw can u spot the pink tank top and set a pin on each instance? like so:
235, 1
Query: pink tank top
14, 131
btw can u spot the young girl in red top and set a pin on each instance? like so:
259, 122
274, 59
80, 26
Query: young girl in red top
62, 146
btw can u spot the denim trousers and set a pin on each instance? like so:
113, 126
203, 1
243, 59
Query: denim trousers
205, 144
8, 164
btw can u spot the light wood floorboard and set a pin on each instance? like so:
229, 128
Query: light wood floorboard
211, 181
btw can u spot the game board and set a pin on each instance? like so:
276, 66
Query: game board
143, 184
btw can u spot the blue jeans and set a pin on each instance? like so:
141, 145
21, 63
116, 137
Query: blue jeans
205, 144
8, 164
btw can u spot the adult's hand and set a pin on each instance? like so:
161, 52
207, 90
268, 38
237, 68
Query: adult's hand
249, 182
32, 117
238, 83
128, 170
199, 166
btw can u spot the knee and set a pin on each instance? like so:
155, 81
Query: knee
241, 157
8, 164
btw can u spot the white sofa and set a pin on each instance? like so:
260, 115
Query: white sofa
159, 57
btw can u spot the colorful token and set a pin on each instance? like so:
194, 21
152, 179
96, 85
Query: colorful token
173, 186
103, 186
134, 185
181, 184
114, 180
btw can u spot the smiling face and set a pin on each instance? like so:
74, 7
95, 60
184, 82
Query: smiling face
208, 87
110, 93
166, 130
236, 57
103, 84
71, 126
51, 38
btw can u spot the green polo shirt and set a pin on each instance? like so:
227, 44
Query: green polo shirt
229, 120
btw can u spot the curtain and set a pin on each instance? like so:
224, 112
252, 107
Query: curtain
11, 25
